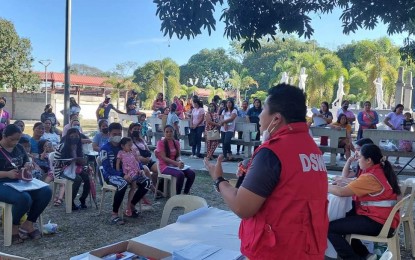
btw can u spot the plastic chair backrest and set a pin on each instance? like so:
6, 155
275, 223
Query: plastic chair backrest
385, 230
188, 202
386, 256
409, 183
11, 257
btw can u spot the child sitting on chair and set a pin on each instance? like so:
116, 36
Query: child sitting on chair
132, 168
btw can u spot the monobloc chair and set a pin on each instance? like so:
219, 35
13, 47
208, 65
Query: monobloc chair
8, 223
106, 187
188, 202
392, 242
167, 191
66, 182
386, 256
4, 256
407, 217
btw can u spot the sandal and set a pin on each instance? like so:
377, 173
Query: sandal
57, 202
35, 234
117, 221
16, 239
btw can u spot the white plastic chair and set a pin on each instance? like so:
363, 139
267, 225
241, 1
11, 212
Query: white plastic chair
392, 242
188, 202
4, 256
106, 187
167, 191
407, 217
67, 183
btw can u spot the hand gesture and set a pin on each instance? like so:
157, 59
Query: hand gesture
215, 170
13, 174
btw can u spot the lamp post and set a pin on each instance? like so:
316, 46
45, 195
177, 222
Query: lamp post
46, 63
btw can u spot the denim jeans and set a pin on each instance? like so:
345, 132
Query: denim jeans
226, 138
31, 202
198, 139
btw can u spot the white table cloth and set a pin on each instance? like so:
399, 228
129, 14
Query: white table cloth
209, 226
337, 208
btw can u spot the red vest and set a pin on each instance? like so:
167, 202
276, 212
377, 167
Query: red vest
292, 223
378, 214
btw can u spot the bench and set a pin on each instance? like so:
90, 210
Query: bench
378, 135
334, 136
184, 125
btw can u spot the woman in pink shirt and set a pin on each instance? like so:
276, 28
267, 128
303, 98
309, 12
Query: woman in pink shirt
168, 154
159, 104
180, 107
197, 126
368, 119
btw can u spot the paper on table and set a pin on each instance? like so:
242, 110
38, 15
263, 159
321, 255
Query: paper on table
177, 168
34, 184
192, 214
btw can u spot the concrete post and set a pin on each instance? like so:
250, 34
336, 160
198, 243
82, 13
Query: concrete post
399, 87
407, 95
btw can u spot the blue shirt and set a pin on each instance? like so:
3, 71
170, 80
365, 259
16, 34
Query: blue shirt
100, 140
108, 155
107, 108
242, 113
253, 114
33, 145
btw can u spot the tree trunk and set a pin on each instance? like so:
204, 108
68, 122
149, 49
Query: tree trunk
14, 90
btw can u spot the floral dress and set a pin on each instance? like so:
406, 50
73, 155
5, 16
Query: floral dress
212, 144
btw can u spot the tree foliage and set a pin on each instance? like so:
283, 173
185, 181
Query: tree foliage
156, 74
252, 20
86, 70
210, 67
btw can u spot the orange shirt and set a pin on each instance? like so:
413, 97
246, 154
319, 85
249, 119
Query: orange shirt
365, 184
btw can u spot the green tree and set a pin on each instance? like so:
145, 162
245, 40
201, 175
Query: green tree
241, 83
210, 67
158, 76
86, 70
215, 91
187, 91
121, 85
260, 94
15, 61
252, 20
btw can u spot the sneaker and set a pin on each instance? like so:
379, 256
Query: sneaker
371, 257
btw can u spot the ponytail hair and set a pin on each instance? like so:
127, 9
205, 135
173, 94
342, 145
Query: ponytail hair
373, 152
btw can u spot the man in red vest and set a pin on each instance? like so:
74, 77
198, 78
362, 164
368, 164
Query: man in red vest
283, 199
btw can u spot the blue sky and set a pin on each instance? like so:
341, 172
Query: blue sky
108, 32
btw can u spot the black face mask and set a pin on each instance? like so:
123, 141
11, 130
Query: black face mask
74, 140
135, 134
104, 130
49, 110
345, 107
2, 105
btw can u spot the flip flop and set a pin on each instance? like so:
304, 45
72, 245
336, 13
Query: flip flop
35, 234
16, 239
117, 221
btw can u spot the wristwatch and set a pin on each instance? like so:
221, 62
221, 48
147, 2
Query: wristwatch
218, 181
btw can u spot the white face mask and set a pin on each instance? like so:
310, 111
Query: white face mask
116, 139
267, 133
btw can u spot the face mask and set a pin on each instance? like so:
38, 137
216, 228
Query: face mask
135, 134
76, 126
267, 133
345, 107
105, 130
116, 139
49, 110
74, 140
2, 105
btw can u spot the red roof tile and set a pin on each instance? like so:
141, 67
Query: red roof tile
75, 79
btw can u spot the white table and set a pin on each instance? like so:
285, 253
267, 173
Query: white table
337, 208
209, 226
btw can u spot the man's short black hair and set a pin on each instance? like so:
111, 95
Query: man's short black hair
289, 101
114, 126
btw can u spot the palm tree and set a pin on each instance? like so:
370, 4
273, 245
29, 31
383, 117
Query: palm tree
119, 85
241, 82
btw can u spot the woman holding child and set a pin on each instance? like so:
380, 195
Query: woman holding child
168, 153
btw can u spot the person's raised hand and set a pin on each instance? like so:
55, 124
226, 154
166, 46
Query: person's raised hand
215, 170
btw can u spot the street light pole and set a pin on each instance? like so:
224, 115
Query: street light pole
46, 63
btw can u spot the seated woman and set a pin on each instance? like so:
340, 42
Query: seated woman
344, 142
38, 131
168, 153
45, 148
13, 158
21, 125
375, 192
101, 137
159, 104
141, 148
71, 148
49, 134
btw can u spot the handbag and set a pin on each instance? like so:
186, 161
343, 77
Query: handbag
212, 135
